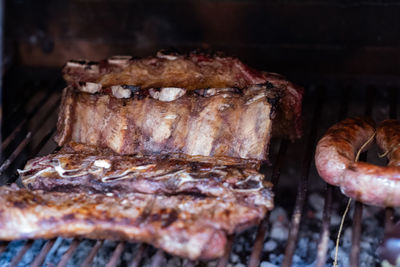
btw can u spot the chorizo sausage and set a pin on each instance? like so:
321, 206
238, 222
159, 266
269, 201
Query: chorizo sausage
377, 185
365, 182
338, 147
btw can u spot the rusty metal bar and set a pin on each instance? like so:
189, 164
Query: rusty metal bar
158, 259
326, 221
356, 228
189, 263
389, 216
43, 253
115, 257
18, 110
24, 143
32, 114
3, 246
302, 186
223, 261
326, 218
21, 253
15, 153
92, 253
138, 256
262, 228
356, 235
67, 255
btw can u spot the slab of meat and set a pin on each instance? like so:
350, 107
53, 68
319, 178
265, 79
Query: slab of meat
79, 168
192, 71
226, 125
187, 226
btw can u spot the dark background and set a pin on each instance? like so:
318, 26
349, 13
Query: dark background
281, 36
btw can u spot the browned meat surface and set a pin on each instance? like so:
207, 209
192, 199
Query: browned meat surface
79, 168
192, 71
225, 125
371, 184
188, 226
338, 147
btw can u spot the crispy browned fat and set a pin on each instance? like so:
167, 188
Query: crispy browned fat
188, 226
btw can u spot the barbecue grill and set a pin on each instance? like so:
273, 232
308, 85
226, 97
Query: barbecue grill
32, 95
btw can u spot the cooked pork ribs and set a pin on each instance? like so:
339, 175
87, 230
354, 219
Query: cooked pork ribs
162, 150
189, 226
223, 124
81, 168
196, 104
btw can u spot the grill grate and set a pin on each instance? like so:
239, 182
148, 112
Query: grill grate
28, 139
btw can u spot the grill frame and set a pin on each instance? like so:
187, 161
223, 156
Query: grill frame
19, 143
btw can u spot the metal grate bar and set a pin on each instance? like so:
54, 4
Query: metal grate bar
389, 215
92, 253
25, 142
326, 221
3, 246
356, 235
302, 187
4, 166
17, 111
189, 263
43, 142
43, 253
67, 255
326, 218
356, 228
139, 255
223, 261
116, 255
31, 115
262, 228
21, 253
158, 259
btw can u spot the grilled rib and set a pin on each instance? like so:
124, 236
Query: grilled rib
187, 226
81, 168
226, 124
190, 72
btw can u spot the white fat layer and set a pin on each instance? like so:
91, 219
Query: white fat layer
119, 92
74, 64
124, 174
184, 177
261, 95
119, 60
170, 116
167, 94
91, 88
21, 173
257, 178
102, 163
166, 56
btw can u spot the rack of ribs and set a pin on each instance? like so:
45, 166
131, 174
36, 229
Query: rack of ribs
197, 105
78, 168
189, 226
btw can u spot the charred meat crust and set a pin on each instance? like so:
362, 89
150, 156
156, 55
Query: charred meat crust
194, 71
227, 126
188, 229
80, 168
338, 147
